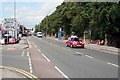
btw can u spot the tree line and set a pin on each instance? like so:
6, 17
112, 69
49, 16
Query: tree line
100, 19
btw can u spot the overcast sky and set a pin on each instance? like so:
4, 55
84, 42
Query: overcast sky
28, 13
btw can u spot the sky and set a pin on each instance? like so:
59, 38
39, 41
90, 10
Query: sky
28, 12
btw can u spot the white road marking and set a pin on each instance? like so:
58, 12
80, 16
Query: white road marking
35, 46
23, 53
88, 56
31, 71
29, 60
79, 53
112, 64
45, 57
30, 63
61, 72
27, 53
38, 50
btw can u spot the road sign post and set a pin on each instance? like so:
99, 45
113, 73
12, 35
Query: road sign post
11, 25
60, 34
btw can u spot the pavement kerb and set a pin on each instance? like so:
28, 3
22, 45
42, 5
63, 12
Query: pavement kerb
19, 45
25, 73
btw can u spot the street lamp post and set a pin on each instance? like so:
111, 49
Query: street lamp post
15, 19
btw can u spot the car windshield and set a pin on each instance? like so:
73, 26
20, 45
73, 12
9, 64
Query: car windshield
39, 33
75, 39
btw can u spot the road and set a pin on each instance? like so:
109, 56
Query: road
15, 58
74, 63
15, 63
48, 58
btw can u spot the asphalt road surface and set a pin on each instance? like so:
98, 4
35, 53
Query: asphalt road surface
52, 59
17, 58
48, 58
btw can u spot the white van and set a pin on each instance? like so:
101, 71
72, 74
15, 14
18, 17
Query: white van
39, 34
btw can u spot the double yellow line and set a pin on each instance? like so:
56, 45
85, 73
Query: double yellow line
24, 73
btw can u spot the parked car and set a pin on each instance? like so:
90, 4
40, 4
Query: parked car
12, 40
39, 34
74, 42
9, 39
6, 38
18, 39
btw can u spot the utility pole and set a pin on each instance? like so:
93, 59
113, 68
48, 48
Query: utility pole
15, 19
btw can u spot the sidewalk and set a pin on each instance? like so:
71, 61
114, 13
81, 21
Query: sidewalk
21, 45
102, 48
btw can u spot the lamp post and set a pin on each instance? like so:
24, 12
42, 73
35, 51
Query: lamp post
15, 19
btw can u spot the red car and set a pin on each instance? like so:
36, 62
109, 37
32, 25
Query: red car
74, 42
12, 40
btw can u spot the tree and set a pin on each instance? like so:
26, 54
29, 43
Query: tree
101, 18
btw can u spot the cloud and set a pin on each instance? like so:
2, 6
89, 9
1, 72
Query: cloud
60, 0
8, 9
23, 9
31, 0
31, 15
49, 7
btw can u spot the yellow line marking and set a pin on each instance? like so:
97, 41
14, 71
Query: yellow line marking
25, 73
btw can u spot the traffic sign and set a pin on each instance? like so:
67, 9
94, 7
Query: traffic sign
9, 22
